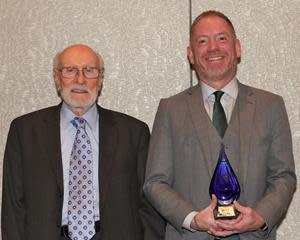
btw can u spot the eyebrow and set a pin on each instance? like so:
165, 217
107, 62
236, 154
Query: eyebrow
223, 33
76, 66
218, 34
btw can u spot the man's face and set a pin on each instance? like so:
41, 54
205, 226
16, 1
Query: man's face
214, 50
79, 93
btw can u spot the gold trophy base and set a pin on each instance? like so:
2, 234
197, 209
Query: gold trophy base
225, 212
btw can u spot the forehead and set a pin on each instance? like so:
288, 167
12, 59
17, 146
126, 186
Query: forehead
78, 56
211, 25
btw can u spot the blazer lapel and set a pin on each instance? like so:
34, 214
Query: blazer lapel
108, 141
246, 101
53, 144
201, 122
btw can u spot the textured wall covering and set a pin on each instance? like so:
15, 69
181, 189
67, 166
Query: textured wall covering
144, 47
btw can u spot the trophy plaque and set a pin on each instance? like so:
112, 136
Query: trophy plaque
224, 184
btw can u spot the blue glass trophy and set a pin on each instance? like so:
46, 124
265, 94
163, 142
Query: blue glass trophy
224, 184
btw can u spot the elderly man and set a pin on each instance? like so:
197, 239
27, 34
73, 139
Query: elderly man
75, 171
191, 126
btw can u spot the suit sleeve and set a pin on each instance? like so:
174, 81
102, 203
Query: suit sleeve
281, 178
153, 223
13, 211
159, 172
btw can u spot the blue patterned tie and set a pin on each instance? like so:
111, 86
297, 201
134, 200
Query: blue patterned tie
81, 199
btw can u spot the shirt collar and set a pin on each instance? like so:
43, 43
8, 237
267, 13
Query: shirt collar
91, 116
230, 89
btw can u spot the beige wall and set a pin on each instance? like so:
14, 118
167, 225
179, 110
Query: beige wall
144, 47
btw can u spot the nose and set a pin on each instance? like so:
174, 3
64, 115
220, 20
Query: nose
213, 44
80, 77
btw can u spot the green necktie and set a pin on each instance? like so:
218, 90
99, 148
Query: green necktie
220, 123
219, 117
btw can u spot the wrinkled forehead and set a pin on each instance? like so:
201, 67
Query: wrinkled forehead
79, 56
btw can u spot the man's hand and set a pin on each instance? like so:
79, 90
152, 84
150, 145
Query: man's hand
248, 220
205, 221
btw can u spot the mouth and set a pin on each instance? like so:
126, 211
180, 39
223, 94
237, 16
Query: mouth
79, 91
214, 58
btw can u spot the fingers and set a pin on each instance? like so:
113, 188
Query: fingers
213, 198
227, 226
220, 233
248, 220
231, 222
204, 220
214, 201
239, 207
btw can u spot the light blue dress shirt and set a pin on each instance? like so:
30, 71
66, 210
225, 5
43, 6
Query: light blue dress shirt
67, 136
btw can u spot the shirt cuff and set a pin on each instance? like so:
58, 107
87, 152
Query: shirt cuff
188, 220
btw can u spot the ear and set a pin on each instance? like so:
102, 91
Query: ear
100, 84
238, 48
101, 80
57, 80
190, 54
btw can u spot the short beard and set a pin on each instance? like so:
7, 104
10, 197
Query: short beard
217, 75
84, 105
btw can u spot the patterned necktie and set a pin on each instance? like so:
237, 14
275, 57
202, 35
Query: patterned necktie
81, 200
219, 117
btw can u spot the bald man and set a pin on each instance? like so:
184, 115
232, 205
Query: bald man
76, 170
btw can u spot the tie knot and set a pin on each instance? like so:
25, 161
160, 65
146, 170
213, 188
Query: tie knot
79, 122
218, 95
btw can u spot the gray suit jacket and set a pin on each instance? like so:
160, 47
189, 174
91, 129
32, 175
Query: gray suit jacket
184, 151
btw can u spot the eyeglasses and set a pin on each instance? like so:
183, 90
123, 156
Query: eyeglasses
88, 72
